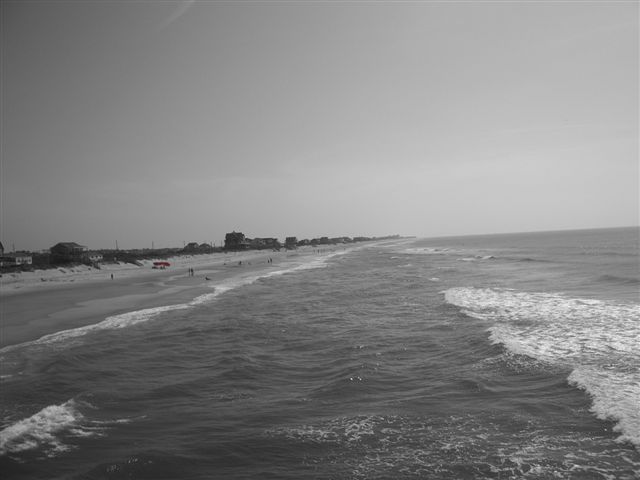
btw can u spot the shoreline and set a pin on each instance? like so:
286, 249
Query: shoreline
31, 310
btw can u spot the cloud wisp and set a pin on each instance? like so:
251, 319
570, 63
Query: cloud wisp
177, 13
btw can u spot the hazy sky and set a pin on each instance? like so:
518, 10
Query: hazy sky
180, 121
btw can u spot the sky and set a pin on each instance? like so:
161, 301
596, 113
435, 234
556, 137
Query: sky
158, 123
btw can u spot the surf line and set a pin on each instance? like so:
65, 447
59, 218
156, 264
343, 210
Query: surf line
129, 319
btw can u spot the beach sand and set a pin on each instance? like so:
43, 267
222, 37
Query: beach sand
31, 308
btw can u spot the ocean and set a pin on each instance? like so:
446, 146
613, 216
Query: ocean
498, 357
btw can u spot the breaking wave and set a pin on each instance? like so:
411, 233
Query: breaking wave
597, 340
48, 430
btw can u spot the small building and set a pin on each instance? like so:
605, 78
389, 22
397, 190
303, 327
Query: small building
291, 243
22, 259
235, 241
205, 248
68, 252
337, 240
94, 257
266, 243
192, 247
15, 259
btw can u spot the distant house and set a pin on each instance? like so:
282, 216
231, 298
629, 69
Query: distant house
336, 240
265, 243
16, 259
22, 259
68, 252
94, 257
205, 248
192, 247
291, 243
235, 241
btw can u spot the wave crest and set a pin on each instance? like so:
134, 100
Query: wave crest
597, 340
45, 429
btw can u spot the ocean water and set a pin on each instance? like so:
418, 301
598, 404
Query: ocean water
506, 356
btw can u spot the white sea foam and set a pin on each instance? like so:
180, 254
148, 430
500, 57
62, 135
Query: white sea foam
597, 340
44, 429
425, 251
110, 323
616, 396
408, 446
476, 258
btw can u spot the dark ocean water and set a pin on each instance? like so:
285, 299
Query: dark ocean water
511, 356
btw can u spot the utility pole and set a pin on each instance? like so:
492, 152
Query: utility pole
116, 245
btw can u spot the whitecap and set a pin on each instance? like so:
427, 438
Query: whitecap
44, 429
597, 340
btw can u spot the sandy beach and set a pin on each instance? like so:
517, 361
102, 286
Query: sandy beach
34, 304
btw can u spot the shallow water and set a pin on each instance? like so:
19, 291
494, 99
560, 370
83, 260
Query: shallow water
472, 357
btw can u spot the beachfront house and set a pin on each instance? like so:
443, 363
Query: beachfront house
205, 248
94, 257
16, 259
22, 259
291, 243
68, 252
265, 243
235, 241
191, 247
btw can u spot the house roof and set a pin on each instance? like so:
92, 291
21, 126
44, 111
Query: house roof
69, 245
